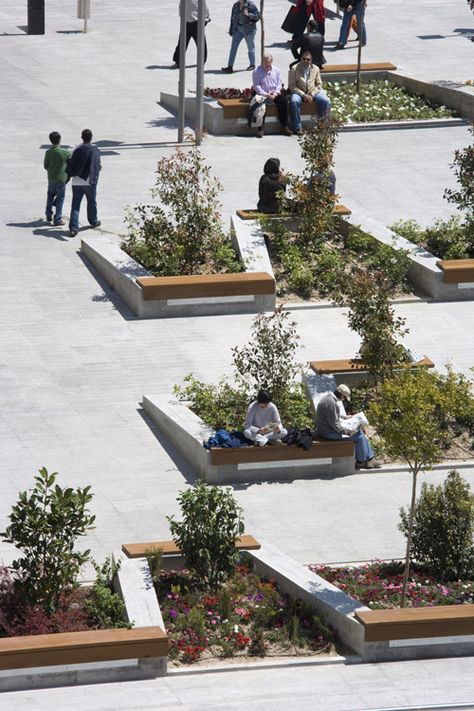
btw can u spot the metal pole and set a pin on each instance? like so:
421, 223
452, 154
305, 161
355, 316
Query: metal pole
182, 69
359, 48
199, 113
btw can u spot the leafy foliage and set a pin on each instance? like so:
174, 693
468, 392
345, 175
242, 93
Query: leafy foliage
412, 414
267, 361
443, 528
446, 239
106, 608
211, 523
181, 233
379, 101
462, 197
44, 526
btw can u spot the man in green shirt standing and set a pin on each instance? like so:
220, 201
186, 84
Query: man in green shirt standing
55, 162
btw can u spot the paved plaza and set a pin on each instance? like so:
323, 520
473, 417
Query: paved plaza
75, 362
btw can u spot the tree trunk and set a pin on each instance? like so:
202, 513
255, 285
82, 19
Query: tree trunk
406, 574
262, 29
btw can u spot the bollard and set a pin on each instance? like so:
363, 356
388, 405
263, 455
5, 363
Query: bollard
35, 17
84, 11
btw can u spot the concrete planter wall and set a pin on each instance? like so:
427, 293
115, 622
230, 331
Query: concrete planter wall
97, 656
126, 277
456, 97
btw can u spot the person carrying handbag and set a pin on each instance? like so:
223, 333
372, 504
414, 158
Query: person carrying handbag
243, 25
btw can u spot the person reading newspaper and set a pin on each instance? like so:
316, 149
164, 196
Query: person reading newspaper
333, 423
263, 422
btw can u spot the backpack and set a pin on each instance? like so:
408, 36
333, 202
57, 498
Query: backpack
256, 111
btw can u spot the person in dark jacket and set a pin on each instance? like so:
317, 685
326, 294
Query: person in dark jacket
312, 41
83, 168
243, 25
269, 185
355, 8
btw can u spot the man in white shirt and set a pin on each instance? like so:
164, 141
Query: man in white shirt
192, 28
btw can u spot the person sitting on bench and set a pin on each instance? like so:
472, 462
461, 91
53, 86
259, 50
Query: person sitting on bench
330, 425
263, 422
304, 81
269, 185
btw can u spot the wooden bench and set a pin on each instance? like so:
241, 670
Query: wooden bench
250, 214
211, 285
457, 271
324, 367
365, 67
321, 449
417, 622
238, 108
168, 548
82, 647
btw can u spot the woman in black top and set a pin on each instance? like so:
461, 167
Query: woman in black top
270, 184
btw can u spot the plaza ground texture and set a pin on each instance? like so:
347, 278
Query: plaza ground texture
75, 363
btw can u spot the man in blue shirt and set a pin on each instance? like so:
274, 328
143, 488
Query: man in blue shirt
266, 80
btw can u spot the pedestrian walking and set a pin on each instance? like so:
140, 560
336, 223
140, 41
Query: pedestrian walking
352, 8
192, 15
83, 168
243, 25
55, 161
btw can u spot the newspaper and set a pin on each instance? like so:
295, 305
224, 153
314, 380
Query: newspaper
355, 422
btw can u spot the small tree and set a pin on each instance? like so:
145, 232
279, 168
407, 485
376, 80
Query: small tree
44, 526
406, 416
211, 524
267, 361
463, 196
443, 528
182, 233
366, 294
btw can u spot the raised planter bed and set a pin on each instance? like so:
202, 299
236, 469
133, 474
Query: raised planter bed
187, 431
374, 635
95, 656
251, 291
228, 116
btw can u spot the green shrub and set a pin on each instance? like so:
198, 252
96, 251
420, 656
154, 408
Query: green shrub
221, 406
211, 523
182, 233
44, 526
105, 607
443, 528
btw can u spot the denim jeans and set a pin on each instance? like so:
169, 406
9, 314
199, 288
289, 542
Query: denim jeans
237, 38
323, 106
55, 199
359, 12
78, 192
363, 449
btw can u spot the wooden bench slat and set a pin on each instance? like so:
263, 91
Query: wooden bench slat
321, 449
252, 214
415, 622
365, 67
80, 647
208, 285
456, 271
346, 365
137, 550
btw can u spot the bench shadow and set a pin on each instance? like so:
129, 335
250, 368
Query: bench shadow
180, 462
108, 293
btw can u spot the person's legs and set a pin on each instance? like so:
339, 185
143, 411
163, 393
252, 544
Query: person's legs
91, 192
59, 202
321, 27
282, 108
345, 28
77, 195
360, 15
323, 105
250, 40
189, 34
363, 450
237, 38
253, 435
272, 436
295, 105
50, 200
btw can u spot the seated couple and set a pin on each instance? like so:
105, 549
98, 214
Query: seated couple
263, 422
330, 417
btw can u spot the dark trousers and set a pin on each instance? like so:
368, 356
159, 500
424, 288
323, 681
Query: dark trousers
282, 108
191, 31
